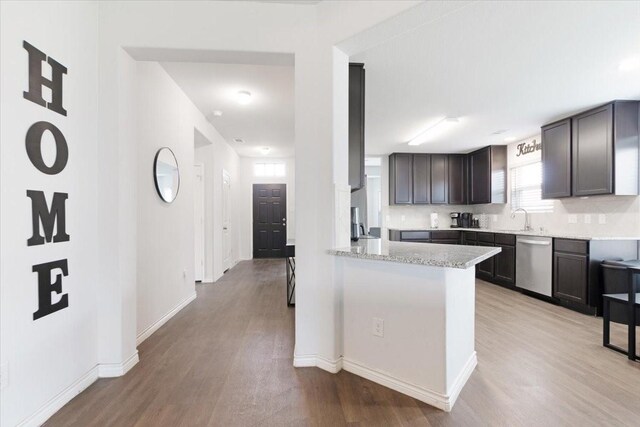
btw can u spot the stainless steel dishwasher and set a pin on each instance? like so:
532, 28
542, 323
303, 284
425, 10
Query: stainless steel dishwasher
534, 260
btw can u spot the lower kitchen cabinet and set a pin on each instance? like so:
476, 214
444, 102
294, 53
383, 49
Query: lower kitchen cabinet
570, 277
486, 268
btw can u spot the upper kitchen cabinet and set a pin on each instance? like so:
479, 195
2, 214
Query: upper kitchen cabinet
605, 150
556, 160
401, 179
439, 179
457, 179
356, 126
488, 175
421, 179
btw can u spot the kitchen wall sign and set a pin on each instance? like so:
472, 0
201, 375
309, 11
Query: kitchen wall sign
54, 216
525, 148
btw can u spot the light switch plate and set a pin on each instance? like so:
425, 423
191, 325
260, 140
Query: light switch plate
378, 327
587, 218
602, 219
572, 219
402, 218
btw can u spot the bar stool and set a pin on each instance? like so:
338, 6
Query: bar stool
631, 300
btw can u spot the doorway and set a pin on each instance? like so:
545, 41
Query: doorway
269, 220
198, 221
226, 222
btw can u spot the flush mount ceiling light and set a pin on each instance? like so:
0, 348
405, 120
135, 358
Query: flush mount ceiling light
243, 97
510, 139
238, 140
499, 132
216, 113
265, 150
434, 131
629, 64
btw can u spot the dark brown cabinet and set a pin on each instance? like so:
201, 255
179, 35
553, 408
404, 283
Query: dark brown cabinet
505, 266
401, 179
439, 179
457, 179
485, 269
593, 153
592, 162
570, 277
356, 126
488, 175
421, 179
556, 160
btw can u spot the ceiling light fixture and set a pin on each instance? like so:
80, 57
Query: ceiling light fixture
265, 150
510, 139
435, 130
244, 97
629, 64
499, 132
216, 113
238, 140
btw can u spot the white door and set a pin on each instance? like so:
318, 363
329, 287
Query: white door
198, 221
226, 223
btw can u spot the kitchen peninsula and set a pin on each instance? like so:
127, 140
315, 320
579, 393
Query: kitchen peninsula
408, 313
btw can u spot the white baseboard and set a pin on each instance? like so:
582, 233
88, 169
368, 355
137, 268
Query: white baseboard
111, 370
61, 399
463, 377
314, 360
430, 397
151, 329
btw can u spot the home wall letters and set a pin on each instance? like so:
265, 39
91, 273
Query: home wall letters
55, 216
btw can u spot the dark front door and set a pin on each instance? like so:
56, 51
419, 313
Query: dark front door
269, 220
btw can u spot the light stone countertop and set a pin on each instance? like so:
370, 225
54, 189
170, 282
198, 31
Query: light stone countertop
523, 233
430, 254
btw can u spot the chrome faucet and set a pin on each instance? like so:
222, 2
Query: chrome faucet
527, 225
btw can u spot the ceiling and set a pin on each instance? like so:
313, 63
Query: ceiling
498, 66
268, 121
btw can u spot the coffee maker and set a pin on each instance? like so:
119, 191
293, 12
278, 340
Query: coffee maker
355, 224
465, 219
455, 219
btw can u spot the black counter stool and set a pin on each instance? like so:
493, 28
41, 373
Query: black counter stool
622, 287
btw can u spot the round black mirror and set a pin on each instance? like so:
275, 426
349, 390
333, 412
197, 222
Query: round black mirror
166, 174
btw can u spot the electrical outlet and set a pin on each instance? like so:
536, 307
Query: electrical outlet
402, 218
494, 218
4, 375
378, 327
573, 219
587, 218
602, 219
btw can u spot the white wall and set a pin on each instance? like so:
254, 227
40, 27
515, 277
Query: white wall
165, 273
248, 178
56, 354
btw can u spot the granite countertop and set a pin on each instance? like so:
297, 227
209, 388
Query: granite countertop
560, 235
430, 254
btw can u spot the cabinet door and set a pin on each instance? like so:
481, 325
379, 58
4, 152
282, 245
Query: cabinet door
356, 126
457, 179
505, 266
421, 179
593, 152
485, 268
439, 179
401, 179
570, 277
556, 160
480, 176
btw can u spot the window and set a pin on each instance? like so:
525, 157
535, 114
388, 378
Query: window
269, 169
526, 189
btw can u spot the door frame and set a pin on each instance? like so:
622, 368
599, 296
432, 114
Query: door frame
226, 223
199, 193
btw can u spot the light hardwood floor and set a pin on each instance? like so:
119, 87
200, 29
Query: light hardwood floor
225, 360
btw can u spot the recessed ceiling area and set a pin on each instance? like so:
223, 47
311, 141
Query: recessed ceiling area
502, 68
267, 120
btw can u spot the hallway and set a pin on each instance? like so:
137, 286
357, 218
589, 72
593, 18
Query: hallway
226, 359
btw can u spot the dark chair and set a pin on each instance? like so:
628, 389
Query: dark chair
622, 288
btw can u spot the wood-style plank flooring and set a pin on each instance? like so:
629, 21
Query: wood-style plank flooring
226, 360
